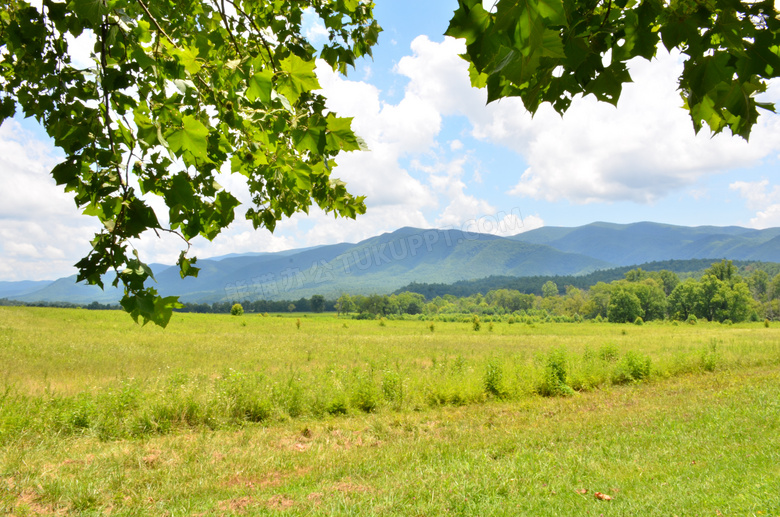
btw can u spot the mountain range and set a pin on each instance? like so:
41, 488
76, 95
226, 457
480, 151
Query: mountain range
389, 261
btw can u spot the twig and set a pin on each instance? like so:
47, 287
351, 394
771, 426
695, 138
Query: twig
258, 30
221, 10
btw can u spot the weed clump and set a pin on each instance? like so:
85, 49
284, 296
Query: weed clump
634, 367
475, 323
493, 379
609, 352
393, 387
710, 357
365, 396
553, 382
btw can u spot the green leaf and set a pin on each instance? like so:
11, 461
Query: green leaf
188, 58
7, 108
90, 10
146, 304
187, 266
192, 138
468, 22
608, 85
260, 86
339, 136
298, 77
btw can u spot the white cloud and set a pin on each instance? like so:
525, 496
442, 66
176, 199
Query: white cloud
757, 194
528, 223
42, 232
761, 198
81, 49
313, 27
640, 152
767, 218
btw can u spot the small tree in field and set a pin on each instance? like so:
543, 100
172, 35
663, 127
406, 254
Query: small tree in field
237, 310
318, 303
549, 289
624, 306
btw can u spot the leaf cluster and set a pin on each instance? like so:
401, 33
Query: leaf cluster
177, 92
553, 50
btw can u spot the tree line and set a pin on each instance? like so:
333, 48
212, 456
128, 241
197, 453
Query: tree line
720, 294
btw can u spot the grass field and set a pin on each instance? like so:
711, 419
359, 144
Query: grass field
253, 415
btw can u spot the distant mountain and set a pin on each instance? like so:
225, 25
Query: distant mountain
627, 244
13, 289
377, 265
390, 261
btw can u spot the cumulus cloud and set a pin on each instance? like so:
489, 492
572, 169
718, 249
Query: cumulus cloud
763, 198
41, 231
640, 152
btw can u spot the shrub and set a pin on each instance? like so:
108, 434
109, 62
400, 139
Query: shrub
337, 406
553, 381
710, 357
691, 320
236, 309
639, 321
432, 327
365, 396
633, 367
766, 323
392, 387
493, 379
638, 365
609, 352
475, 323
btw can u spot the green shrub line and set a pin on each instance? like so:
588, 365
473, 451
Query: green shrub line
133, 408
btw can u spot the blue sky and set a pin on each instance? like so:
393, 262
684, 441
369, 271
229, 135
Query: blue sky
441, 158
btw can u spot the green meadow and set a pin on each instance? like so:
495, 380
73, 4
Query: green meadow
319, 415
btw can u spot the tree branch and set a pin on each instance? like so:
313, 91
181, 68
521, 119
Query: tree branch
156, 23
221, 8
259, 33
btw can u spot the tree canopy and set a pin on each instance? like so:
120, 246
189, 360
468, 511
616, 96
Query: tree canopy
177, 92
553, 50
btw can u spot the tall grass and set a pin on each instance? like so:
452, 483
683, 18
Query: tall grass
77, 372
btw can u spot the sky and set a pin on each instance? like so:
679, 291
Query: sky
441, 158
